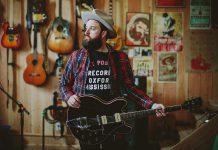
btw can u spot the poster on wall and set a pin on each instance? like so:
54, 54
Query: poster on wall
203, 54
137, 29
170, 3
167, 67
142, 66
142, 51
168, 31
200, 14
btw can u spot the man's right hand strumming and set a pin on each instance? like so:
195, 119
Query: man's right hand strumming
74, 101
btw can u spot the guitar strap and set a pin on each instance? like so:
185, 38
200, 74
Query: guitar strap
119, 73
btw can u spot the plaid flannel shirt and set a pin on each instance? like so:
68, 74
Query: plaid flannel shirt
73, 79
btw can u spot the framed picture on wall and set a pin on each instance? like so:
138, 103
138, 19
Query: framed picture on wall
167, 67
137, 29
170, 3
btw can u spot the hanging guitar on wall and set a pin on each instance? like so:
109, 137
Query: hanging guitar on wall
11, 37
59, 38
34, 73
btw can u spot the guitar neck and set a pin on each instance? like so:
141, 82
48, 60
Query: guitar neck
144, 113
111, 8
35, 42
11, 14
60, 8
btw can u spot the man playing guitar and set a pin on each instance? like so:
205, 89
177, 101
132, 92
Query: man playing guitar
97, 72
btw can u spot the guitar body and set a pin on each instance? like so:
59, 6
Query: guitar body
60, 39
92, 106
11, 37
34, 73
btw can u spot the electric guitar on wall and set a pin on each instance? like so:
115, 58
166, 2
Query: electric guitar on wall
11, 37
97, 119
34, 73
59, 37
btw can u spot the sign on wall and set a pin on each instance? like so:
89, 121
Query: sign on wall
200, 14
202, 55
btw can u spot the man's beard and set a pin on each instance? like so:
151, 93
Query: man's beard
92, 44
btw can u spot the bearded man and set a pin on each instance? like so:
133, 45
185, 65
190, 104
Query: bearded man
98, 74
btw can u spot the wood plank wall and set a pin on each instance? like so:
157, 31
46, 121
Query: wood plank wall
35, 99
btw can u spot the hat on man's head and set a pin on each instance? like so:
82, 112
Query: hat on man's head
101, 17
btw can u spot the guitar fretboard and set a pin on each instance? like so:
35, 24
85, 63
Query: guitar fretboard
144, 113
11, 13
60, 8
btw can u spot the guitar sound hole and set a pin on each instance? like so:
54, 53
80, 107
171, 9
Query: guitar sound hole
60, 28
34, 62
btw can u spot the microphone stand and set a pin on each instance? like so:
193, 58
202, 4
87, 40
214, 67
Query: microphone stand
21, 110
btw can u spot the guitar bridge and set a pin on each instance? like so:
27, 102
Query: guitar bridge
80, 122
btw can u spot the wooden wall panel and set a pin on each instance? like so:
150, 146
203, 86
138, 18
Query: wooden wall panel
35, 99
215, 86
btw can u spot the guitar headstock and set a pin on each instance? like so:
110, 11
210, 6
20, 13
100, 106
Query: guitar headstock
192, 104
84, 5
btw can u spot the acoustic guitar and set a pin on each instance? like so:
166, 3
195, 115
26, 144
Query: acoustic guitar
59, 37
11, 37
97, 119
34, 73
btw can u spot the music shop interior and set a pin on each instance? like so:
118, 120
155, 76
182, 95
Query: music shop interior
173, 55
